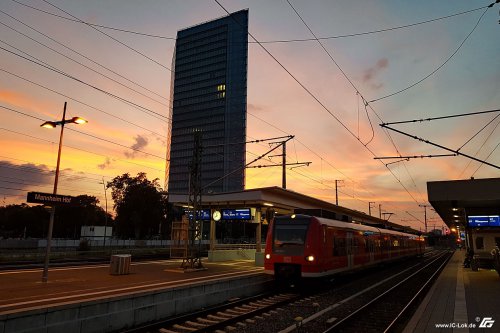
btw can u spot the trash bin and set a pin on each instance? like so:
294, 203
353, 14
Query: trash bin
120, 264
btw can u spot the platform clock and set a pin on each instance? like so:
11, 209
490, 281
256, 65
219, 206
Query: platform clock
216, 215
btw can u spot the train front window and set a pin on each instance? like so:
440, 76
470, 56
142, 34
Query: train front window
289, 238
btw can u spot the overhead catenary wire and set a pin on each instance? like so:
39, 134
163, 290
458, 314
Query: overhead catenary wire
87, 134
263, 42
320, 103
79, 63
85, 57
479, 131
365, 105
479, 149
355, 88
484, 161
93, 24
440, 146
141, 108
109, 36
82, 103
53, 166
437, 68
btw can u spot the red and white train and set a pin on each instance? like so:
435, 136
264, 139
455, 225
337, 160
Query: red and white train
302, 246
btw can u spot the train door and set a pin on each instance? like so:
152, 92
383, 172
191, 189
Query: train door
349, 250
370, 242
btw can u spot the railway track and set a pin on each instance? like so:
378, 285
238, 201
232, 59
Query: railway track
377, 300
381, 307
387, 311
234, 316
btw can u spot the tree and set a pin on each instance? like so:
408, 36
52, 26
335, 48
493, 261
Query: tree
70, 219
140, 206
24, 221
20, 221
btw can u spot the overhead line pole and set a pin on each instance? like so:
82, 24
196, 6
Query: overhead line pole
443, 117
440, 146
425, 215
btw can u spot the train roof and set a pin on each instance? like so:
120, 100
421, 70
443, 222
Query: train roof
359, 227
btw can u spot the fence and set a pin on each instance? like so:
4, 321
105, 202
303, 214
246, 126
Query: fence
75, 243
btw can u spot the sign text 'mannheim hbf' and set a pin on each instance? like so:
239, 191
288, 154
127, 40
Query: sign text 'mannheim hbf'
50, 199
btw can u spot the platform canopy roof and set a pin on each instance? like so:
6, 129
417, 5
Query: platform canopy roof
455, 200
283, 201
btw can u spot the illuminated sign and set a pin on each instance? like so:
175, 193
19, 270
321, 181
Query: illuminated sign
203, 214
494, 221
236, 214
484, 221
51, 199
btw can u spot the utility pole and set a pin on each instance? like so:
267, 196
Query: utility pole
192, 260
380, 211
336, 191
105, 214
283, 160
283, 164
425, 215
388, 214
370, 207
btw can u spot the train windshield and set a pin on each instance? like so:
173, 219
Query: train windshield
289, 238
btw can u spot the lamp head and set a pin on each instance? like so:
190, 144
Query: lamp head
78, 120
48, 124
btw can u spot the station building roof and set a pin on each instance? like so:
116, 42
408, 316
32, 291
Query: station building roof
455, 200
283, 201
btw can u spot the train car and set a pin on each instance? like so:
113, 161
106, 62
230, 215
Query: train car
302, 246
483, 241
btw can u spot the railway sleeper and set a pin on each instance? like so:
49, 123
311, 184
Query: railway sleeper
237, 311
261, 304
249, 307
226, 315
207, 321
164, 330
219, 318
184, 328
244, 308
195, 324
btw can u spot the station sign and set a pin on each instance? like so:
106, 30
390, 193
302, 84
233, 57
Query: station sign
51, 199
203, 214
484, 221
236, 214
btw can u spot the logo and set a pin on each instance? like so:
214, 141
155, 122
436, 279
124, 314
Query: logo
487, 322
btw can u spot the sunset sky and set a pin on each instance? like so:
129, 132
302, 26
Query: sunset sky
120, 82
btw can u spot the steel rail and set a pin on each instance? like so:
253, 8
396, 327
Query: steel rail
338, 323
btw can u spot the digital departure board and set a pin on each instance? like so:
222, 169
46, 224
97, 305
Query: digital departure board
202, 214
484, 221
236, 214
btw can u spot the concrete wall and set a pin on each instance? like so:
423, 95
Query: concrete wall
68, 243
119, 313
226, 255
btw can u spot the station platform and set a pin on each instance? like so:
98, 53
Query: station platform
461, 300
89, 299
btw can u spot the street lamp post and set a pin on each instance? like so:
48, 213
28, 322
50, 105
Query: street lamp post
53, 124
105, 214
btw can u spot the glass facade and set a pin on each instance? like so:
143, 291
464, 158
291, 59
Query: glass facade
210, 95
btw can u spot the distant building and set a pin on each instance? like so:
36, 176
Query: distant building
437, 232
209, 94
95, 232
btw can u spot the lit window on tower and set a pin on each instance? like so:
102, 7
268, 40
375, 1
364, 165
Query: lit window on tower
221, 87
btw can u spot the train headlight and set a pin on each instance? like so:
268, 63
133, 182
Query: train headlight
310, 258
268, 256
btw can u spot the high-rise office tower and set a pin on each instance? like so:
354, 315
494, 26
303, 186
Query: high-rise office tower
209, 94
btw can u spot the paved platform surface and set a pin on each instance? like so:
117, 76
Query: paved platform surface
461, 300
22, 290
